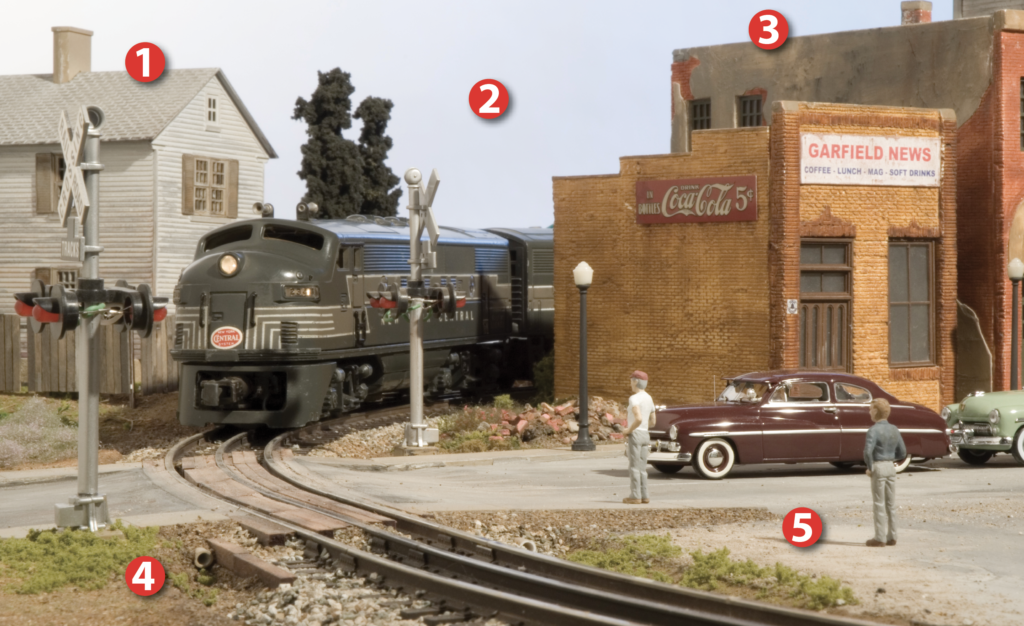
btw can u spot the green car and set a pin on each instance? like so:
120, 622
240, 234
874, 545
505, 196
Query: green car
985, 424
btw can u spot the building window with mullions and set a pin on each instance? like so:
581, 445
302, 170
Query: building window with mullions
750, 111
911, 303
700, 114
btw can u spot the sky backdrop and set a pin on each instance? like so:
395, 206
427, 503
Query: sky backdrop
589, 81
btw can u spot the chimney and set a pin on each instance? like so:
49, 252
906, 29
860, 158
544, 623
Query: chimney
916, 12
72, 52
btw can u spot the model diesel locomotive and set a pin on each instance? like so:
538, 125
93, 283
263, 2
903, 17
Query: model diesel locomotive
274, 324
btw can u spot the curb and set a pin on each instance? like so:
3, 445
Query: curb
375, 465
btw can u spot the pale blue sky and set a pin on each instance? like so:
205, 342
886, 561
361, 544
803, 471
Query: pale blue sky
589, 81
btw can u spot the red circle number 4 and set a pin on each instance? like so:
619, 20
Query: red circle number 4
802, 527
145, 576
488, 98
145, 62
768, 29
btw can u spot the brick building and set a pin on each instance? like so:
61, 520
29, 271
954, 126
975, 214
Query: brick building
692, 301
973, 64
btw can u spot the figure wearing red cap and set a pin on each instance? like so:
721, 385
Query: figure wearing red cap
638, 440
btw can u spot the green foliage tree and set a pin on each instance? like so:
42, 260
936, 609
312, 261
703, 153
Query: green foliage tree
381, 191
343, 177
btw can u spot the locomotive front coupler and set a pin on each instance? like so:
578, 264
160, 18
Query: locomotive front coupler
210, 390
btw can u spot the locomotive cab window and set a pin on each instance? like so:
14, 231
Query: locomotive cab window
292, 234
231, 235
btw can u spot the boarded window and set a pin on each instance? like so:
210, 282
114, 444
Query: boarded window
209, 186
911, 304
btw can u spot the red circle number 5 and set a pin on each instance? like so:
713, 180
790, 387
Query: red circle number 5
768, 29
145, 576
488, 98
802, 527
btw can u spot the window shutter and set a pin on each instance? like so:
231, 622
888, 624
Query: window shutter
188, 184
232, 189
44, 184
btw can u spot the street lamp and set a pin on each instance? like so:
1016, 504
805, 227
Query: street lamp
1016, 272
583, 275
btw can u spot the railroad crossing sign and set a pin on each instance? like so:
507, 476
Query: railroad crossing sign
72, 143
73, 248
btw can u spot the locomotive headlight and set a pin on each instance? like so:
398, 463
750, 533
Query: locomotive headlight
304, 292
230, 263
993, 416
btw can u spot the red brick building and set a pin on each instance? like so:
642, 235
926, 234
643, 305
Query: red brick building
973, 65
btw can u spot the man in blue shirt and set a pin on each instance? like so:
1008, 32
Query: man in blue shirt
882, 447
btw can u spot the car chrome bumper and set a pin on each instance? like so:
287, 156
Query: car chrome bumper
669, 458
966, 437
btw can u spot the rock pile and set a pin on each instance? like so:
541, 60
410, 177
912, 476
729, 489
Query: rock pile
607, 420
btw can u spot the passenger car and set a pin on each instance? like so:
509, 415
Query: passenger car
787, 417
984, 424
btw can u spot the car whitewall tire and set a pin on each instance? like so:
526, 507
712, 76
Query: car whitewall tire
714, 458
1018, 446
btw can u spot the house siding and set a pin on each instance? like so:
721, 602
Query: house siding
189, 134
29, 240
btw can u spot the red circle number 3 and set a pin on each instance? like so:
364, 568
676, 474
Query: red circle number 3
488, 98
145, 576
768, 29
145, 62
801, 527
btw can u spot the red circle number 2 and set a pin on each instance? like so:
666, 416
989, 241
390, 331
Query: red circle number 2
145, 576
488, 98
768, 29
145, 62
801, 527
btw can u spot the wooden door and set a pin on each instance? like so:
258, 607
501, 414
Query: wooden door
824, 335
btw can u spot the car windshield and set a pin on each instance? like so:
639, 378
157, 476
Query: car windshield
742, 391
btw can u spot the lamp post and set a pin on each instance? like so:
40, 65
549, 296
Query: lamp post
583, 275
1016, 272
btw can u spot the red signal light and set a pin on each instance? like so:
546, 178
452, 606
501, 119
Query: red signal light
44, 317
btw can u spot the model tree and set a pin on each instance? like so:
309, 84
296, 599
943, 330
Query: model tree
341, 176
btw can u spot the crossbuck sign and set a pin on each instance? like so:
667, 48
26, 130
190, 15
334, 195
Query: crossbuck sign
72, 143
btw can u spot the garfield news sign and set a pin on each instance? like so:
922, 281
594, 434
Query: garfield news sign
718, 199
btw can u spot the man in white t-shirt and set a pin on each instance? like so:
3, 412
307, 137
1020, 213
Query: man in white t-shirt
638, 440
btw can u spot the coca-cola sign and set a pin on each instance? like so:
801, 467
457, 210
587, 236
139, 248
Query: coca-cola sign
718, 199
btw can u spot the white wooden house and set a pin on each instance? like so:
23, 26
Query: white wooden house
181, 156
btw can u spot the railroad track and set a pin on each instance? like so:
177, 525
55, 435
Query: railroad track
463, 573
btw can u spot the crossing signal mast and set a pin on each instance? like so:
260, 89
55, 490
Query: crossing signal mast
84, 308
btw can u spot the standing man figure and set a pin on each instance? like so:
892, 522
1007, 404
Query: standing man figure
883, 446
638, 440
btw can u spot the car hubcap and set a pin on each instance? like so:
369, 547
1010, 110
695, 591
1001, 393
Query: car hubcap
714, 458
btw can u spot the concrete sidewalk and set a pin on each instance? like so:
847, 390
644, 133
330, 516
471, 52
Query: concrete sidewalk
494, 457
28, 477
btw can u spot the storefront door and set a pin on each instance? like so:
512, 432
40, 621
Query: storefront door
825, 305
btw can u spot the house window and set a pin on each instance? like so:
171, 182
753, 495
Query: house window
700, 114
211, 110
825, 304
750, 111
911, 303
209, 186
49, 180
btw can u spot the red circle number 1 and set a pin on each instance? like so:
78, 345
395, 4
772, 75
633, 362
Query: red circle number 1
801, 527
768, 29
145, 62
145, 576
488, 98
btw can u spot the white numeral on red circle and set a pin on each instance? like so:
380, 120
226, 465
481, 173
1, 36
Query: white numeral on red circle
487, 108
798, 524
144, 576
772, 22
144, 53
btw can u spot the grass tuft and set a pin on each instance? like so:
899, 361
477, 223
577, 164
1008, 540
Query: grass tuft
45, 561
657, 558
37, 434
204, 578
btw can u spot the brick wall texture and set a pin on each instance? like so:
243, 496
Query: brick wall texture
691, 302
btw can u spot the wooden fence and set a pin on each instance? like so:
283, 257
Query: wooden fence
10, 354
52, 367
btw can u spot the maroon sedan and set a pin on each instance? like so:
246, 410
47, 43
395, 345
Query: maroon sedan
787, 417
